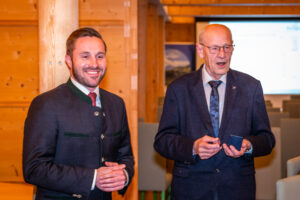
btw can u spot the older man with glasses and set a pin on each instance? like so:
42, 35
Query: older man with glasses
213, 124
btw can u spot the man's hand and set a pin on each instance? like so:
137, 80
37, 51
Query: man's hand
206, 146
233, 152
111, 177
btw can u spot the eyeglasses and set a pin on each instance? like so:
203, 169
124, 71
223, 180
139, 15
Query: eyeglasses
216, 49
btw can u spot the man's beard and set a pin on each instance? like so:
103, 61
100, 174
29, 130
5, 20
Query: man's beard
85, 82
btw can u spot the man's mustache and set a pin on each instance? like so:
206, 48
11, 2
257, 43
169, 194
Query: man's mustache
92, 68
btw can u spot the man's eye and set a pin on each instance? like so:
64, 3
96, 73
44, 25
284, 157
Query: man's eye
226, 47
84, 56
214, 48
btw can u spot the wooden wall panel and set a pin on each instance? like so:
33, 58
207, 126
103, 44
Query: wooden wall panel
16, 191
180, 32
101, 10
18, 10
11, 134
19, 63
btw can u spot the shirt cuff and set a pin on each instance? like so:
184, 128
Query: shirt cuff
127, 177
95, 175
94, 180
249, 151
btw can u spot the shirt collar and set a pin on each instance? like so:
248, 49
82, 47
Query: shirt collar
82, 88
206, 77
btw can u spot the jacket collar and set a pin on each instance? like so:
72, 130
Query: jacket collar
78, 92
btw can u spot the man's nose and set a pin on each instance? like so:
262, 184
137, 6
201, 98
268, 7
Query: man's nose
93, 62
221, 52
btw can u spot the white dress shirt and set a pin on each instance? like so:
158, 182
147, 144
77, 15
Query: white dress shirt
86, 91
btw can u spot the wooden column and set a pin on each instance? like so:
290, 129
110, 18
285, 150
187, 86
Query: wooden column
57, 19
142, 61
131, 64
152, 64
161, 56
151, 59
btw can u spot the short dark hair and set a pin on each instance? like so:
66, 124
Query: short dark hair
81, 32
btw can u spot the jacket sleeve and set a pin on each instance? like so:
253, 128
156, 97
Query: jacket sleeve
261, 138
169, 141
39, 148
125, 151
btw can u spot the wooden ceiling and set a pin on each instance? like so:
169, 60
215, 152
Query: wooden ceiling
185, 11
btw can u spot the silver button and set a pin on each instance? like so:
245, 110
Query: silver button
217, 170
96, 113
103, 114
102, 159
102, 136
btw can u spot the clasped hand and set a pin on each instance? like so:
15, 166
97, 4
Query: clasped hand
207, 146
111, 177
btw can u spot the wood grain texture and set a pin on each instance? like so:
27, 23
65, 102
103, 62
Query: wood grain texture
53, 32
16, 191
19, 63
176, 2
11, 134
18, 10
197, 11
102, 9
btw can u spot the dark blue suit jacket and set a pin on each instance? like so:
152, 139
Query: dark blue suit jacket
66, 139
186, 118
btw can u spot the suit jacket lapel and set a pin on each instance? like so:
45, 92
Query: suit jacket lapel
230, 98
201, 103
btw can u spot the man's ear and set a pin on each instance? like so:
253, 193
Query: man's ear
68, 61
200, 50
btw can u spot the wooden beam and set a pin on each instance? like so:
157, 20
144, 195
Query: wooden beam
53, 32
100, 22
233, 10
182, 20
196, 2
14, 23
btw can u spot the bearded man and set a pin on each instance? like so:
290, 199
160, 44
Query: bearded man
76, 137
